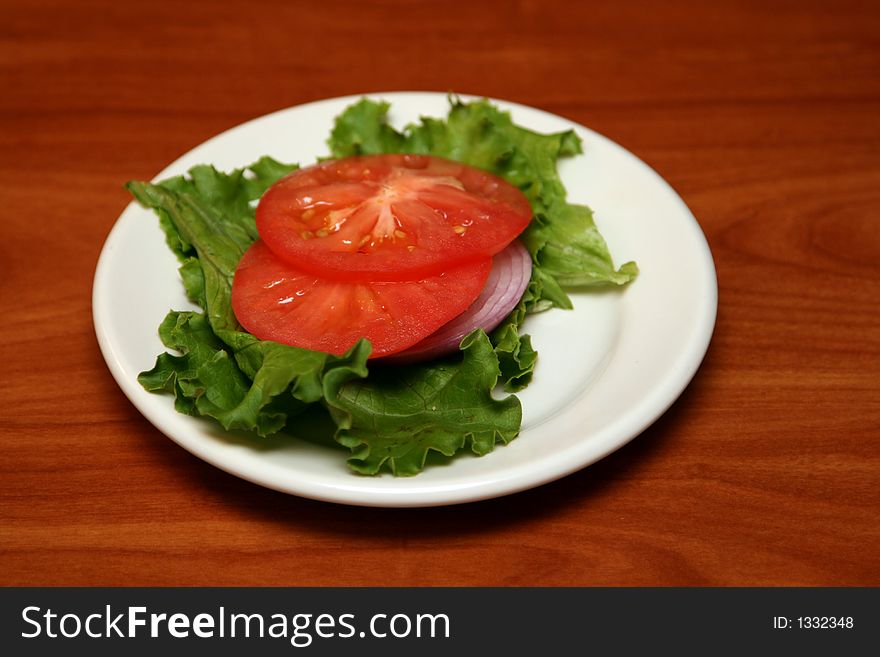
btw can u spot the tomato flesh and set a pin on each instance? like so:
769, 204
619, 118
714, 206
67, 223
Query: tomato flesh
389, 217
275, 301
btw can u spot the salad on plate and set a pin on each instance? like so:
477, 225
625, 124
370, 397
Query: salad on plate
380, 292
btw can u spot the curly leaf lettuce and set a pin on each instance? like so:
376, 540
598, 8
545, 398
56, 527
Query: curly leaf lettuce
396, 416
388, 417
209, 379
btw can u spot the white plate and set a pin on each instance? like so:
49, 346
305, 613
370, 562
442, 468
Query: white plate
606, 370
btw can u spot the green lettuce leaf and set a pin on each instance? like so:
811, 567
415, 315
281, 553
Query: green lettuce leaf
206, 380
568, 248
363, 130
209, 223
516, 357
396, 416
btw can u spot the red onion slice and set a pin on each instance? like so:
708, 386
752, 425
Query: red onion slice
511, 270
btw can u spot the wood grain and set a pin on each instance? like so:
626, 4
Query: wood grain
764, 116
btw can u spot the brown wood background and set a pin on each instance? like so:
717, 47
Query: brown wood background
765, 116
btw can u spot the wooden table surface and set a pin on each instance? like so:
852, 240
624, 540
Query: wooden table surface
764, 116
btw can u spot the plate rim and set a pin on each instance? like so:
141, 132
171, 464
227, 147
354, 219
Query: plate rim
522, 477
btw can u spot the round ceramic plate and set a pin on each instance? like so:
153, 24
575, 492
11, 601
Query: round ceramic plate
606, 370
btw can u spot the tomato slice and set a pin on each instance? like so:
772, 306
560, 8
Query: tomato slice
389, 217
275, 301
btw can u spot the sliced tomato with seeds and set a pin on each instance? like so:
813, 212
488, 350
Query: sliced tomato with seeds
389, 217
275, 301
